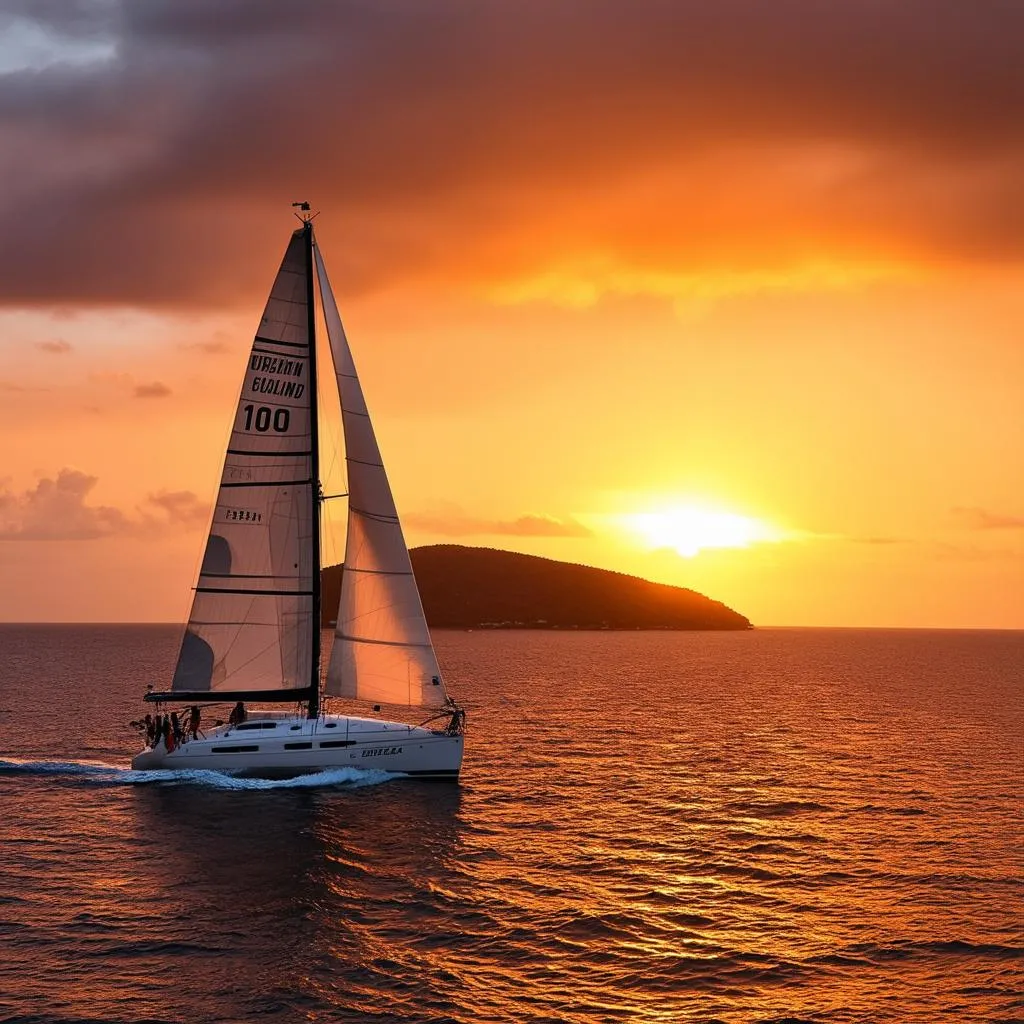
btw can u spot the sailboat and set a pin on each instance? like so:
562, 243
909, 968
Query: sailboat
254, 631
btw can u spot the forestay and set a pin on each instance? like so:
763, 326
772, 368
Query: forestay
251, 623
382, 650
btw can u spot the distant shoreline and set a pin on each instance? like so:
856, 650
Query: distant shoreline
487, 588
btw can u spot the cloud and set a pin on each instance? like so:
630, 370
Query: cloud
57, 346
824, 537
181, 507
455, 523
154, 390
545, 526
498, 144
126, 382
214, 347
976, 553
982, 519
58, 509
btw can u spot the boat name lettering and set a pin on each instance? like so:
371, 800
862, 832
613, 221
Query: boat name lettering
272, 364
377, 751
242, 515
275, 386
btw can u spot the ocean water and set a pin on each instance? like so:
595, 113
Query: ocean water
776, 825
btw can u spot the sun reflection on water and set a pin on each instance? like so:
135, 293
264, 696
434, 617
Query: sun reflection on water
672, 826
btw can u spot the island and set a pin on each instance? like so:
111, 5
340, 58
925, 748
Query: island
484, 588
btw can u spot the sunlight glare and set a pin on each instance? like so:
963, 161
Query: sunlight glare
689, 530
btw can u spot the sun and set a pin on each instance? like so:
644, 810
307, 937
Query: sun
688, 530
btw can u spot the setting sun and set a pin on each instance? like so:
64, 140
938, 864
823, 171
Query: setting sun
689, 530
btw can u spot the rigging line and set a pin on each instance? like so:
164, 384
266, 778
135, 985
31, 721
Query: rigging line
260, 483
294, 357
250, 576
380, 643
380, 517
283, 344
298, 406
273, 642
272, 455
257, 593
382, 572
237, 637
238, 623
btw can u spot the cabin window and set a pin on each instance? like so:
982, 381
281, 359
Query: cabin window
256, 725
235, 750
330, 725
295, 728
337, 743
298, 746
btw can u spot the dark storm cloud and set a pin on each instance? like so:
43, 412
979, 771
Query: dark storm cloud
430, 131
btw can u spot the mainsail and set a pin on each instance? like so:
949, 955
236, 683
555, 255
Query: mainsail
251, 627
382, 650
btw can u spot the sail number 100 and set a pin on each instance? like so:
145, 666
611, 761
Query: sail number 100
264, 418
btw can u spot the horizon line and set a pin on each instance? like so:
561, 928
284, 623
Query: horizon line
563, 629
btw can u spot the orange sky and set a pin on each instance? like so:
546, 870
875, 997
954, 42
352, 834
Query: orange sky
595, 260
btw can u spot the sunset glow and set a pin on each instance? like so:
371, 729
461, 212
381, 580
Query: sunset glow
630, 287
688, 530
512, 511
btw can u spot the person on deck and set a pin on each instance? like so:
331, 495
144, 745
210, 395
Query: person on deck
193, 721
237, 716
169, 743
176, 728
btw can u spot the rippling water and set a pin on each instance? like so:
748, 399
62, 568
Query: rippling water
806, 825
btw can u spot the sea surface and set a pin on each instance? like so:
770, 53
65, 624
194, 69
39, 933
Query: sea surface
775, 825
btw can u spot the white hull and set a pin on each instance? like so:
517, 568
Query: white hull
273, 745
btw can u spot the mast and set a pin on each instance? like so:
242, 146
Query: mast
314, 444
